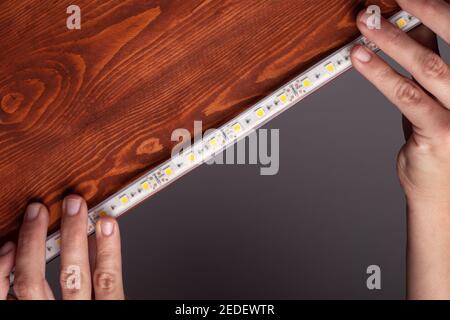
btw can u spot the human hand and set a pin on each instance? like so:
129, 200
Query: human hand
424, 161
76, 282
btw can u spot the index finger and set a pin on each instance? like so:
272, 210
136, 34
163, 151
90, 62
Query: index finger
107, 277
433, 13
424, 65
75, 277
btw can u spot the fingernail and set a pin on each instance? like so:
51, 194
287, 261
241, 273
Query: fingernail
7, 248
107, 228
362, 54
72, 205
32, 211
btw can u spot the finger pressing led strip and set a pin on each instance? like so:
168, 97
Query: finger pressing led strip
236, 129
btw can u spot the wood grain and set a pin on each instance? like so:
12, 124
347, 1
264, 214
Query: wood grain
89, 110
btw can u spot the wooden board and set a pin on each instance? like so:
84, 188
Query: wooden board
89, 110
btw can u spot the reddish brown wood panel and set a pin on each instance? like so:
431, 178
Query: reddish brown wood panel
89, 110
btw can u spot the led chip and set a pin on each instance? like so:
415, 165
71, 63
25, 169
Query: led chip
58, 242
213, 142
102, 213
330, 67
168, 171
260, 112
401, 23
145, 185
191, 157
283, 98
306, 83
237, 127
124, 199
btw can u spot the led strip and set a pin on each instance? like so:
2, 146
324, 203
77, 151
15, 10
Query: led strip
236, 129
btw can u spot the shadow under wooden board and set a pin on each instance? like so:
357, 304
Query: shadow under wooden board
90, 110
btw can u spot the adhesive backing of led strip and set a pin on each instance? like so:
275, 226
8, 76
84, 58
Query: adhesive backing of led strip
236, 129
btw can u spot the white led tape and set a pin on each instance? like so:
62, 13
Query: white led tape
236, 129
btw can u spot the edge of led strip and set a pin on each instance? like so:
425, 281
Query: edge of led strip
228, 134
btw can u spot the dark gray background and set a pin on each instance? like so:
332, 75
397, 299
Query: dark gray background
335, 207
